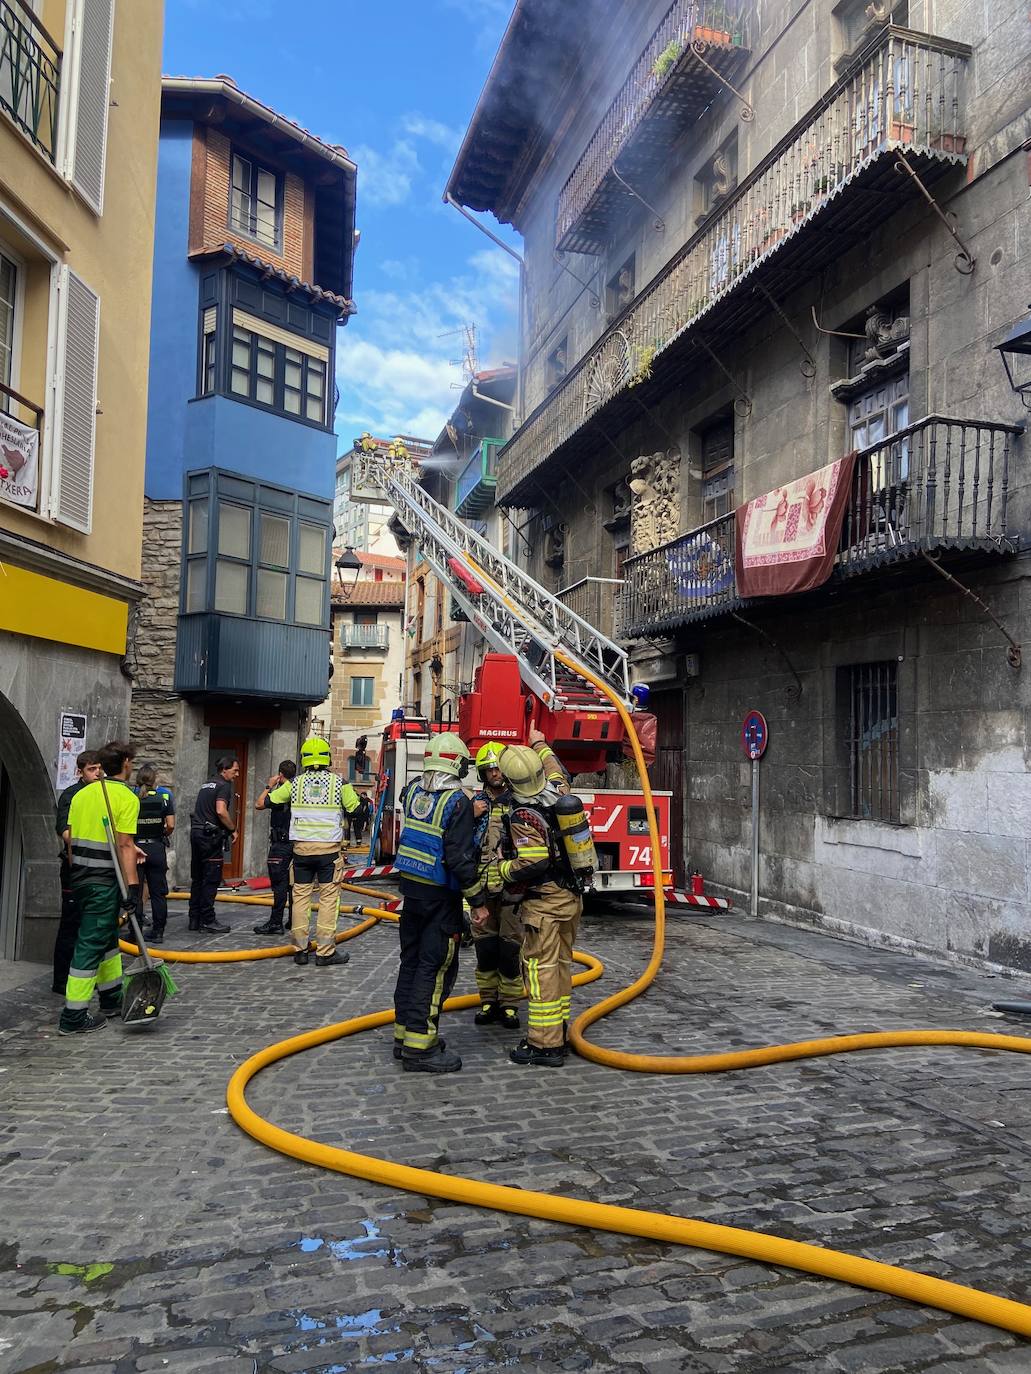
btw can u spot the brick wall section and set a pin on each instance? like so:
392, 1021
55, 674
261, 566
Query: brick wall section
154, 712
214, 217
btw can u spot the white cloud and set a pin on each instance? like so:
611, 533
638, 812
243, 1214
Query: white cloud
433, 131
385, 179
394, 359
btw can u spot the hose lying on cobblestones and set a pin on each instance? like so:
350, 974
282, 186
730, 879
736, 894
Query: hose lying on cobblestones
243, 956
864, 1273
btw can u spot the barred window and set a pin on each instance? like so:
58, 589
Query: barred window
873, 741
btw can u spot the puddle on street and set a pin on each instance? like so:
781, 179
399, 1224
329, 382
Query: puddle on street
355, 1247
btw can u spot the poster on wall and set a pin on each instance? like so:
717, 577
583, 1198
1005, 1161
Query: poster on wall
19, 462
70, 744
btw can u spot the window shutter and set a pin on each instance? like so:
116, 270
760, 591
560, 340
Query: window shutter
75, 403
92, 99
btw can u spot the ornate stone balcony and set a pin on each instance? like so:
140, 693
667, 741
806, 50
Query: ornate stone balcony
838, 174
938, 487
670, 85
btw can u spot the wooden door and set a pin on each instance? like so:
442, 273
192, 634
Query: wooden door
222, 743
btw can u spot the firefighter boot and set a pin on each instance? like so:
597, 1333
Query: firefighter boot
509, 1018
525, 1053
487, 1014
399, 1050
434, 1060
270, 927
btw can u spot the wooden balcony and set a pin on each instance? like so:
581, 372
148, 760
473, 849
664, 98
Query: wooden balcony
30, 75
940, 487
817, 195
670, 85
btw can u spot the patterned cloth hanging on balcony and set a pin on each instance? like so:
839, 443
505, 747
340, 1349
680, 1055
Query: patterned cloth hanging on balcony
787, 539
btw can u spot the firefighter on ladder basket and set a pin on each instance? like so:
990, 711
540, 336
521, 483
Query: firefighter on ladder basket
551, 859
498, 939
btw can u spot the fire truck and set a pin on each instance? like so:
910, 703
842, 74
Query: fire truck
532, 676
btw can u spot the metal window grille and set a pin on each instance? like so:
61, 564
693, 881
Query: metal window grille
873, 741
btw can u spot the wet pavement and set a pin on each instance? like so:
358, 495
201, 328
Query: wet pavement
141, 1230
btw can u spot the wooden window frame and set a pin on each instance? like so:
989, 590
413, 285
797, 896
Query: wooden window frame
250, 231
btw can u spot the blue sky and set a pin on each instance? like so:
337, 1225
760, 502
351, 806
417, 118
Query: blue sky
394, 81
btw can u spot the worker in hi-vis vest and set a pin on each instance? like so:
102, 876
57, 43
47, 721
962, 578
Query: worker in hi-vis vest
437, 860
318, 800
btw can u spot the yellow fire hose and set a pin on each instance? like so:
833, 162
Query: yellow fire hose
903, 1283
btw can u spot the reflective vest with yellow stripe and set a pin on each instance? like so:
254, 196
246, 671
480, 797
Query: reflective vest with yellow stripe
318, 800
420, 851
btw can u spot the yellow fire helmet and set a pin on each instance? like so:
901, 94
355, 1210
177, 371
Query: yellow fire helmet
315, 753
523, 770
446, 753
489, 755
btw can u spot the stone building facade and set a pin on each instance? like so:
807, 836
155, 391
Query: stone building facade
758, 241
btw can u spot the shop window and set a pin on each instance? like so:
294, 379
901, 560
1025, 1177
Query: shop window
717, 440
868, 694
255, 201
619, 290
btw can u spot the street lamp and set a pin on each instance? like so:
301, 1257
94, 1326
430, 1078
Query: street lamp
348, 562
1015, 351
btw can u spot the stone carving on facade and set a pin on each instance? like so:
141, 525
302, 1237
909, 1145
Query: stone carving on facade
655, 502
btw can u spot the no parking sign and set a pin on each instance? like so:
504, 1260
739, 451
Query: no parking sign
754, 735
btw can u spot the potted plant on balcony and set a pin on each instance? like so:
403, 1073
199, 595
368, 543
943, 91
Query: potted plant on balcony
667, 59
720, 25
643, 357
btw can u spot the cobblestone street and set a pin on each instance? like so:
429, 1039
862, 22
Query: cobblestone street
143, 1231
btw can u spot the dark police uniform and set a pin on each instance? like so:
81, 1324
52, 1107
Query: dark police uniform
151, 838
280, 852
207, 842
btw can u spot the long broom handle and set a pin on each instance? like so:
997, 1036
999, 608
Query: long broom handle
112, 844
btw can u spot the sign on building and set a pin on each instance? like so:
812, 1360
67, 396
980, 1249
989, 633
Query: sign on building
19, 462
70, 744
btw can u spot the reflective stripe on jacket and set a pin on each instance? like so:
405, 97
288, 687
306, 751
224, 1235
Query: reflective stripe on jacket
318, 800
420, 851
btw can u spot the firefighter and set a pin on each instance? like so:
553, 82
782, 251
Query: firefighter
550, 903
96, 962
438, 861
499, 980
154, 828
88, 767
318, 801
280, 850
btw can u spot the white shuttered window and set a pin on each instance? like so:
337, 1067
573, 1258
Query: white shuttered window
86, 139
75, 419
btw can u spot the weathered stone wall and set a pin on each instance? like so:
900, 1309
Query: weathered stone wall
155, 708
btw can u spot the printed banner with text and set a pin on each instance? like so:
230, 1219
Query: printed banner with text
19, 462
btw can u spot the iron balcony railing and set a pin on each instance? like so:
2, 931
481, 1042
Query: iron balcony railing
365, 636
667, 88
30, 75
940, 485
474, 490
903, 96
593, 599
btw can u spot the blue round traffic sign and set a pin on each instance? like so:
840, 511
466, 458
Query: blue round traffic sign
754, 735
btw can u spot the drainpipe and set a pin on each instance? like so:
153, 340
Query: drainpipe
490, 400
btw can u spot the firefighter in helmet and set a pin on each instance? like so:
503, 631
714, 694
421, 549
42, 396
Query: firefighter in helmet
438, 861
318, 800
546, 826
497, 940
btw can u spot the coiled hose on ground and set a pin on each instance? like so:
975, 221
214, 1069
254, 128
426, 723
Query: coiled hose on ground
885, 1278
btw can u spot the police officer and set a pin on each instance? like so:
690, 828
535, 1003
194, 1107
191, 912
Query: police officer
96, 962
318, 802
280, 850
550, 905
499, 980
154, 828
88, 766
210, 824
437, 859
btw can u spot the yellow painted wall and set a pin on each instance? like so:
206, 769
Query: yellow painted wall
113, 254
44, 608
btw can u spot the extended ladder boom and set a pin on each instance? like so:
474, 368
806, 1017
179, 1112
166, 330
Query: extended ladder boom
515, 614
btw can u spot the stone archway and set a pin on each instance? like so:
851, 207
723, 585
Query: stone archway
34, 797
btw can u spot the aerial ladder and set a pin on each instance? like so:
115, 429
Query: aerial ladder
515, 614
541, 648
